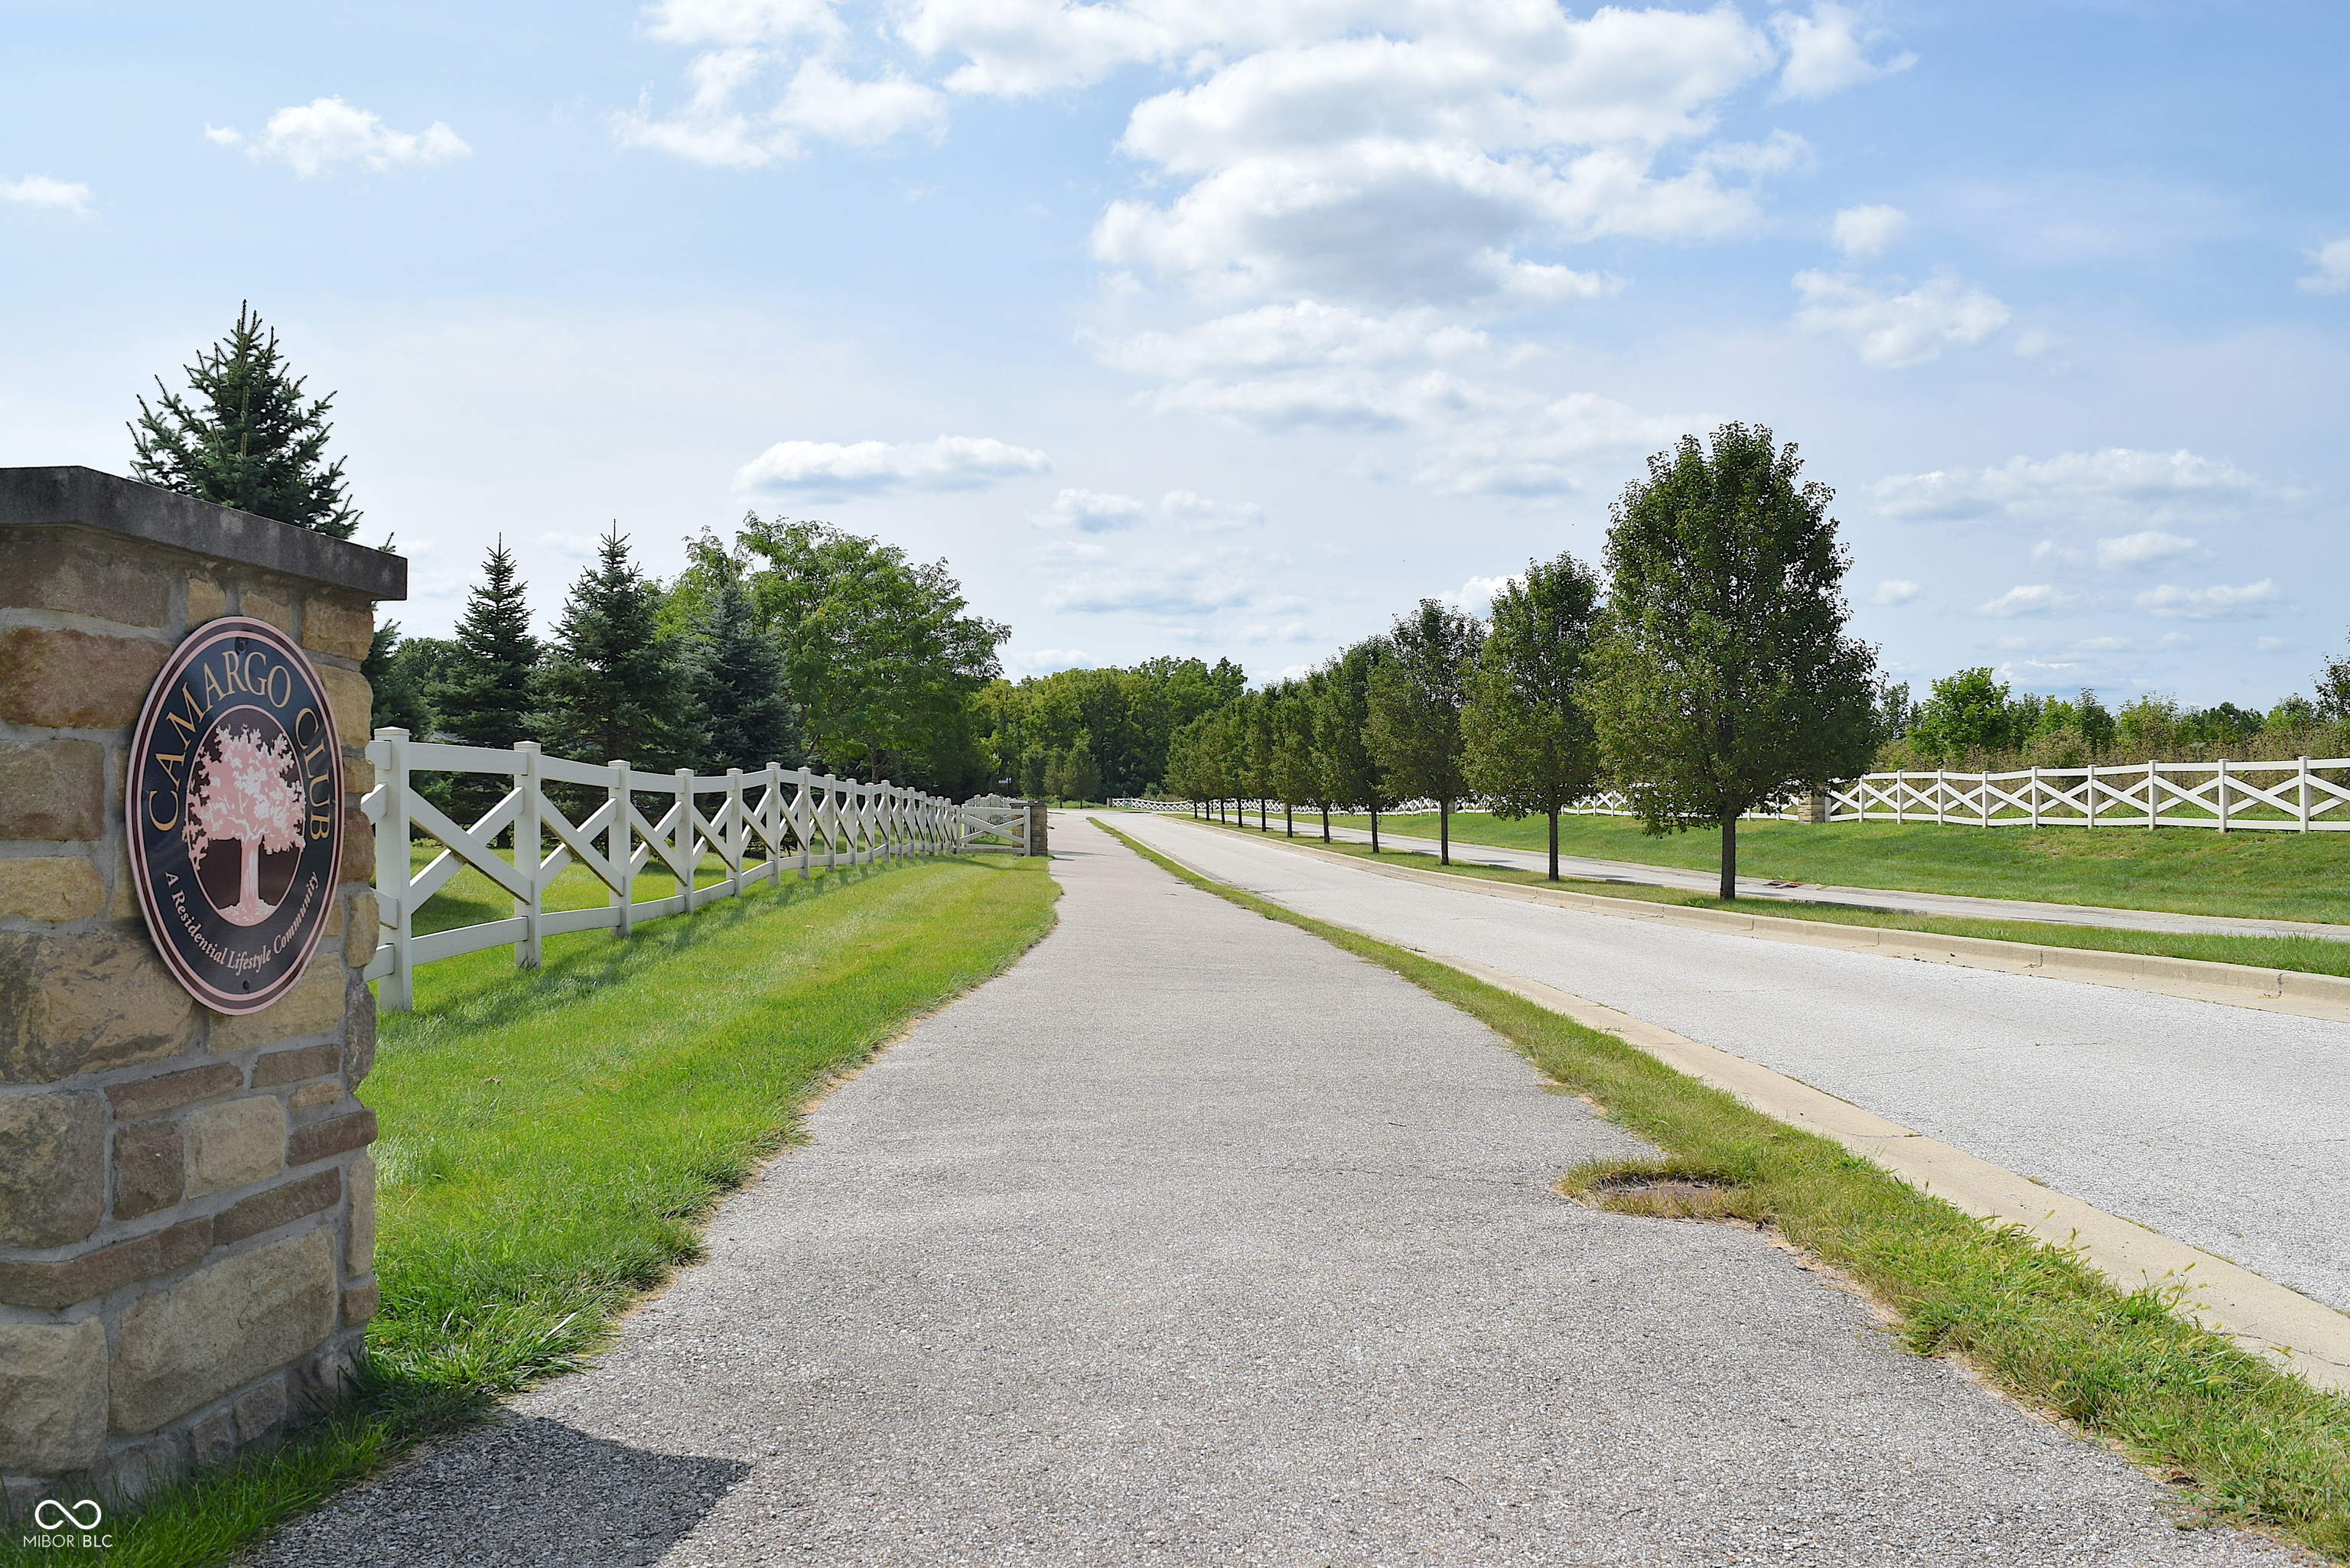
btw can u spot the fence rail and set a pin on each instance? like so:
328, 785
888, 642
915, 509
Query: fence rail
2288, 797
756, 824
1607, 802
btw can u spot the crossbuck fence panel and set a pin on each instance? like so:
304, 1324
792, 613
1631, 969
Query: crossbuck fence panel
754, 825
2305, 795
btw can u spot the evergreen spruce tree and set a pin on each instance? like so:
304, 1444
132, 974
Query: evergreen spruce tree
243, 436
398, 703
734, 679
487, 699
612, 686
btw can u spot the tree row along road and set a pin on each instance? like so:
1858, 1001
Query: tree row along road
2224, 1127
1194, 1240
1959, 905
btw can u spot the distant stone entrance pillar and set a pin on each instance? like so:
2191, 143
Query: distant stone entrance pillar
1038, 843
186, 1201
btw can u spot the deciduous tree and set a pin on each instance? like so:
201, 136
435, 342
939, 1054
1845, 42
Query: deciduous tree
1529, 742
1417, 695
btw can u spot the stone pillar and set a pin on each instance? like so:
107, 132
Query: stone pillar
186, 1201
1813, 808
1037, 836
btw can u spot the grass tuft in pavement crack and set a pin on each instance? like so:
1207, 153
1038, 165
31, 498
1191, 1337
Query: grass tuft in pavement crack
2254, 1445
553, 1140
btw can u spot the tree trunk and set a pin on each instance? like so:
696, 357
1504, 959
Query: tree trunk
1374, 830
1288, 820
1554, 845
1730, 857
1264, 812
1326, 824
1444, 831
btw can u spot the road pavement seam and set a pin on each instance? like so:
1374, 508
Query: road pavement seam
2289, 991
2264, 1318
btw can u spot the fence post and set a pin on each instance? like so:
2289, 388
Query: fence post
689, 842
392, 865
527, 952
2223, 795
2151, 765
2304, 792
1941, 811
738, 832
2091, 795
622, 844
1982, 794
2035, 794
888, 820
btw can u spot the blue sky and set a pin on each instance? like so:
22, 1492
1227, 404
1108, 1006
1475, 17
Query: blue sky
1216, 328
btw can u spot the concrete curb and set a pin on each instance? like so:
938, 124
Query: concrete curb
2264, 1318
2303, 996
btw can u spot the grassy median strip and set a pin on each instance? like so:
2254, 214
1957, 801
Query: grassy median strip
554, 1139
2264, 876
2250, 1443
2309, 955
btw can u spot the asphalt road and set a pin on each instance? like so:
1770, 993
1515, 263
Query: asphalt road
1959, 905
2224, 1127
1193, 1240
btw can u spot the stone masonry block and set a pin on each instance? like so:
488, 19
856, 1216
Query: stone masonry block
359, 1304
311, 1095
359, 774
53, 1286
264, 603
52, 1168
52, 789
358, 848
315, 1006
261, 1411
280, 1205
123, 904
332, 624
207, 601
359, 1040
75, 679
362, 929
76, 572
51, 887
85, 1003
211, 1442
151, 1096
52, 1396
293, 1066
222, 1326
360, 1247
151, 1167
353, 702
234, 1143
355, 1128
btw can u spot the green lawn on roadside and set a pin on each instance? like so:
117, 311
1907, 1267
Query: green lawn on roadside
2309, 955
554, 1138
2188, 870
2249, 1442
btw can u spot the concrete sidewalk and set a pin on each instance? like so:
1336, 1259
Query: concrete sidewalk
1957, 905
1193, 1239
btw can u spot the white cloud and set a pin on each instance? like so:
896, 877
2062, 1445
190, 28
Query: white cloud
2141, 548
1045, 660
1300, 336
1897, 329
2030, 599
2119, 485
872, 467
2333, 273
2065, 554
41, 191
1389, 167
1867, 231
1089, 512
746, 42
1169, 589
1825, 52
1198, 513
313, 138
2269, 644
2218, 602
571, 547
1896, 591
1476, 595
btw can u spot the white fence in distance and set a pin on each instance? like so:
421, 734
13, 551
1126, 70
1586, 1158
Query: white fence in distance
1607, 802
2230, 797
756, 825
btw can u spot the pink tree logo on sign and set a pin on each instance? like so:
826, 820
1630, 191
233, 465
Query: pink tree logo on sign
245, 787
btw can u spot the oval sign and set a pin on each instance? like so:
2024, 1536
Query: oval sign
236, 793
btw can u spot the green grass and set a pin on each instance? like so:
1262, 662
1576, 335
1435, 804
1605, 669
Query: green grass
554, 1139
2188, 870
2309, 955
2248, 1443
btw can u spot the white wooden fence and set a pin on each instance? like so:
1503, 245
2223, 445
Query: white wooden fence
2290, 797
1607, 802
756, 824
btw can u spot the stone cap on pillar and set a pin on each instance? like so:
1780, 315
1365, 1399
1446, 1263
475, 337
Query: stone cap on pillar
84, 498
